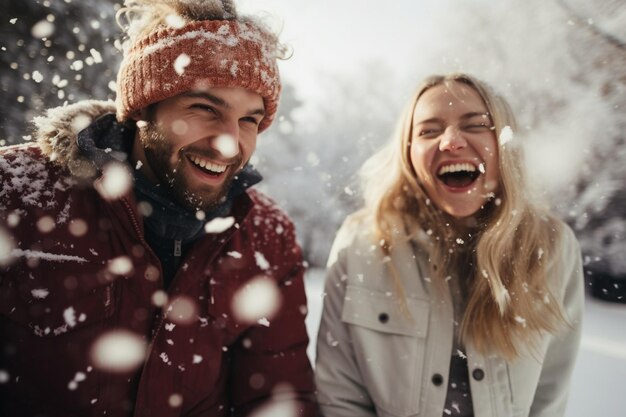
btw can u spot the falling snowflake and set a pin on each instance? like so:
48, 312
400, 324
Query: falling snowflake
40, 293
226, 145
259, 299
182, 310
159, 298
219, 224
175, 21
116, 181
122, 265
97, 57
37, 76
181, 62
506, 135
42, 29
175, 400
45, 224
69, 315
179, 127
118, 351
261, 261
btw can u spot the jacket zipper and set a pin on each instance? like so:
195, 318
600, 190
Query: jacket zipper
153, 337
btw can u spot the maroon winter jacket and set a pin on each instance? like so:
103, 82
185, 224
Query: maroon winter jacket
65, 280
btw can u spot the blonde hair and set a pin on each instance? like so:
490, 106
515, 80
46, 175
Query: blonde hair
508, 297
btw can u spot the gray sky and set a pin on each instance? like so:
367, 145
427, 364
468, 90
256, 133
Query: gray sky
336, 36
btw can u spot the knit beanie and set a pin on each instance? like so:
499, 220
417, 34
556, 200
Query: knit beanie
195, 54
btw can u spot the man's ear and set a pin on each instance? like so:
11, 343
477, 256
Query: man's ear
141, 114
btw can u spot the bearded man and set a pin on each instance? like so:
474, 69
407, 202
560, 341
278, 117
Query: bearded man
142, 276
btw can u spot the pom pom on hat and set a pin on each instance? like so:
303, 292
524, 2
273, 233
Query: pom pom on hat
204, 9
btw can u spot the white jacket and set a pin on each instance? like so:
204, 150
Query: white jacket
373, 361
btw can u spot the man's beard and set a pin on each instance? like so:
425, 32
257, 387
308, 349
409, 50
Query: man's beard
160, 153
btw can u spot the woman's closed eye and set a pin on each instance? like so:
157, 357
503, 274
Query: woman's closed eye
476, 127
429, 132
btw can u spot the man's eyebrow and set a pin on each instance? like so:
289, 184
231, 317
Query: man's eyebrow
257, 112
207, 96
218, 101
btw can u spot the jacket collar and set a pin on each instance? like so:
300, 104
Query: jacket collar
57, 131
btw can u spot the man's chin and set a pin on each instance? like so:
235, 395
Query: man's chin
197, 196
202, 201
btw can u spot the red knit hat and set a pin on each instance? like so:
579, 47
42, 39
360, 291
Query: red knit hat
201, 54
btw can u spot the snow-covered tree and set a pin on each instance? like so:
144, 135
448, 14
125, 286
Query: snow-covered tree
320, 152
561, 63
52, 52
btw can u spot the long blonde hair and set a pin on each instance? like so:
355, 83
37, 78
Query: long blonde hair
507, 255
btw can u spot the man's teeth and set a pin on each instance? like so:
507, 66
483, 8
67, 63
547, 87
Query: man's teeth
203, 163
465, 167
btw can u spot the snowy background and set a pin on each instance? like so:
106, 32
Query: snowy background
561, 64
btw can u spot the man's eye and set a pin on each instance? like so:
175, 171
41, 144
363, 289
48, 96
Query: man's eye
252, 120
204, 107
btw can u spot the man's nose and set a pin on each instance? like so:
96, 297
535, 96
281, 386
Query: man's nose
227, 141
452, 140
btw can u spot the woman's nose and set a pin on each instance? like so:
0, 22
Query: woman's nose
452, 140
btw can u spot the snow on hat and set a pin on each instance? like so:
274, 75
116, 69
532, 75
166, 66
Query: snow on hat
199, 54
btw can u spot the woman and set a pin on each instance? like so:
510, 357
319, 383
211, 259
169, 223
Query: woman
450, 292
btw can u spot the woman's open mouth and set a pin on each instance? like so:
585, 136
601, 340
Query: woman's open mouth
459, 175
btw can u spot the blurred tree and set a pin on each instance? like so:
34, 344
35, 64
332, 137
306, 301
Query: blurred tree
598, 204
52, 52
561, 64
314, 176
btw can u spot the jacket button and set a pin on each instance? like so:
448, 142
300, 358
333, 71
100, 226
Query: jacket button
437, 379
383, 317
478, 374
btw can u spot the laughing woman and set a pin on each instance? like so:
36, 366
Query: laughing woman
450, 293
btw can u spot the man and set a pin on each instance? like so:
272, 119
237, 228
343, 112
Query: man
139, 273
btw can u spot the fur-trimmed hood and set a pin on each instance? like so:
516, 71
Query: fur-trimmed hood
57, 131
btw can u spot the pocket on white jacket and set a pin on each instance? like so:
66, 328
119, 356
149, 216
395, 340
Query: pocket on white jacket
388, 346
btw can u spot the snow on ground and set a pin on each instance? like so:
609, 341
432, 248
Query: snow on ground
601, 368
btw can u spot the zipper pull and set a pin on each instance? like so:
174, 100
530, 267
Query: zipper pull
178, 248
